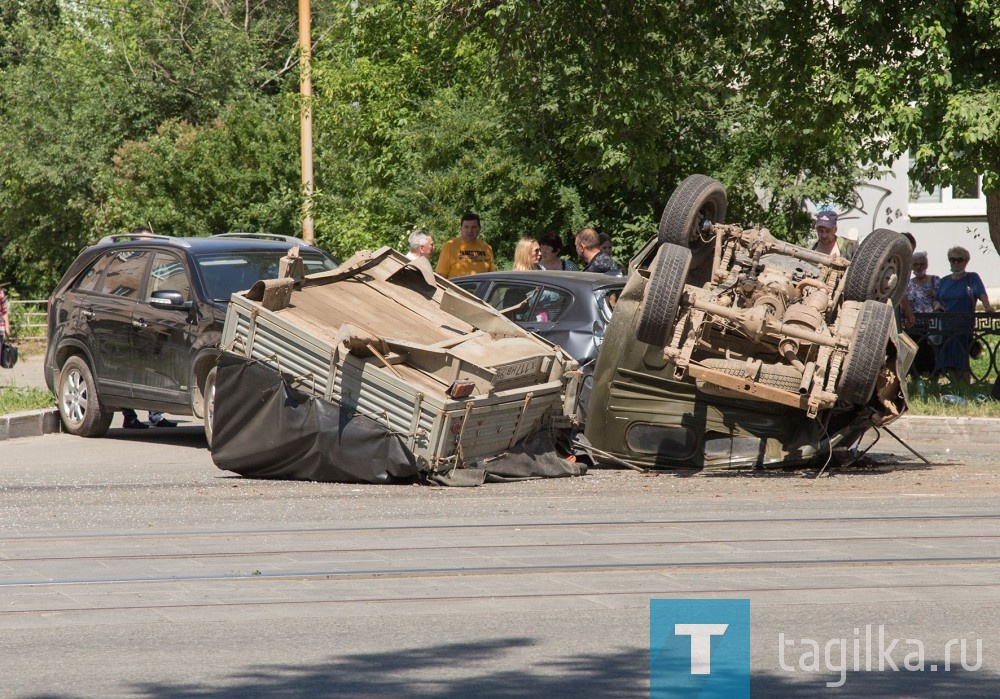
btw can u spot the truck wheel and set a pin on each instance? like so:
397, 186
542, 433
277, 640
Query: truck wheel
208, 414
79, 407
880, 268
867, 354
698, 202
663, 294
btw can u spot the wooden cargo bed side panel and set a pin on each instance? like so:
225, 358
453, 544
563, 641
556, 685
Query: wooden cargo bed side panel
480, 315
364, 306
494, 424
266, 338
330, 306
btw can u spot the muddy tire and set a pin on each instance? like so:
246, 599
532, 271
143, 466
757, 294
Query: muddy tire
867, 355
208, 415
79, 406
698, 201
880, 268
663, 294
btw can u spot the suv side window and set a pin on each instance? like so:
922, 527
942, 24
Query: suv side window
91, 279
124, 276
168, 273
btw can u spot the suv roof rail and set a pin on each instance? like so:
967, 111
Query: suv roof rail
120, 237
292, 240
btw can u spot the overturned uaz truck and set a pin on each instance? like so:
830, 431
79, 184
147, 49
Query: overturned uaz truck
729, 347
382, 371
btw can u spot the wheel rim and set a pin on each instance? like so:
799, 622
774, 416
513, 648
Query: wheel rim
74, 399
210, 410
706, 213
888, 280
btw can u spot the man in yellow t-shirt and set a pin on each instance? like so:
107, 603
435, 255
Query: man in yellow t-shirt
466, 254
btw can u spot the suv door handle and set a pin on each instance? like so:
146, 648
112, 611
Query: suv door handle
140, 324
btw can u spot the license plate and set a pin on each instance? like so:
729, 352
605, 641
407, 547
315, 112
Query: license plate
517, 370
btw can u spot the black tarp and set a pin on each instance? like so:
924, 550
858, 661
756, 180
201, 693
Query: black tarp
533, 457
264, 428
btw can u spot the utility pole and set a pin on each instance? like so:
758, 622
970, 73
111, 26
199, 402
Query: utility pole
305, 117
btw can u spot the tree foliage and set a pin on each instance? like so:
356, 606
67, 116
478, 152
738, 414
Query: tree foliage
409, 137
83, 86
537, 115
897, 77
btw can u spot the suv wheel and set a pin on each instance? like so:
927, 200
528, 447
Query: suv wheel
81, 410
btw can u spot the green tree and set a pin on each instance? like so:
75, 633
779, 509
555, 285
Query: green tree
84, 85
625, 99
895, 77
53, 134
407, 135
235, 173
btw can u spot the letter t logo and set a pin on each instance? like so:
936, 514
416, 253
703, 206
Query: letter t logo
701, 644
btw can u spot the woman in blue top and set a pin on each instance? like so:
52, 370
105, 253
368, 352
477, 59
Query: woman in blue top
958, 293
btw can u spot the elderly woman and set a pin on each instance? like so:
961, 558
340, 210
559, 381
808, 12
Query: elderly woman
921, 297
921, 290
958, 293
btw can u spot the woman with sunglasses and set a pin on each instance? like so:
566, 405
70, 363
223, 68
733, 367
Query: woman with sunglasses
958, 293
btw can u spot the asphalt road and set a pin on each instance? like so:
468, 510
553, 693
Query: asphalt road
132, 567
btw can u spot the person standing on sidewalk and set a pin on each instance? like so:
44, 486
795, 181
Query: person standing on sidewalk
4, 317
156, 419
421, 244
827, 240
466, 254
588, 247
958, 293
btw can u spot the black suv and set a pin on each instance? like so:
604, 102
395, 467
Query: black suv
136, 320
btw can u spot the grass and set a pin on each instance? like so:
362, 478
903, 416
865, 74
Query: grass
952, 400
19, 400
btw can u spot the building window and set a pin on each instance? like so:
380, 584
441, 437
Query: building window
963, 199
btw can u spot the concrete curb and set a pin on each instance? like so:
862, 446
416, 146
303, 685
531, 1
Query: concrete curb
921, 428
985, 430
33, 423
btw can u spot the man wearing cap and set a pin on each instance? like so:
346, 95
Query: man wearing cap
828, 242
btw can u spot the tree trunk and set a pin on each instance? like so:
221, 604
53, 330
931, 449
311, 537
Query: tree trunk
993, 216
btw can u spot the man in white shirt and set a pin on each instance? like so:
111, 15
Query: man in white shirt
421, 244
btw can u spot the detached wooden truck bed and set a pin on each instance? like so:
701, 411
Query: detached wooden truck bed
386, 338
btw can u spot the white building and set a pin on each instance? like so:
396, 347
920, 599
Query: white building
938, 220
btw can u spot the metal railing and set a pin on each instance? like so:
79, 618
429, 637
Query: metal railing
28, 318
945, 340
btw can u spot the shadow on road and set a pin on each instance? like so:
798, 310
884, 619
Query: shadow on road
460, 671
